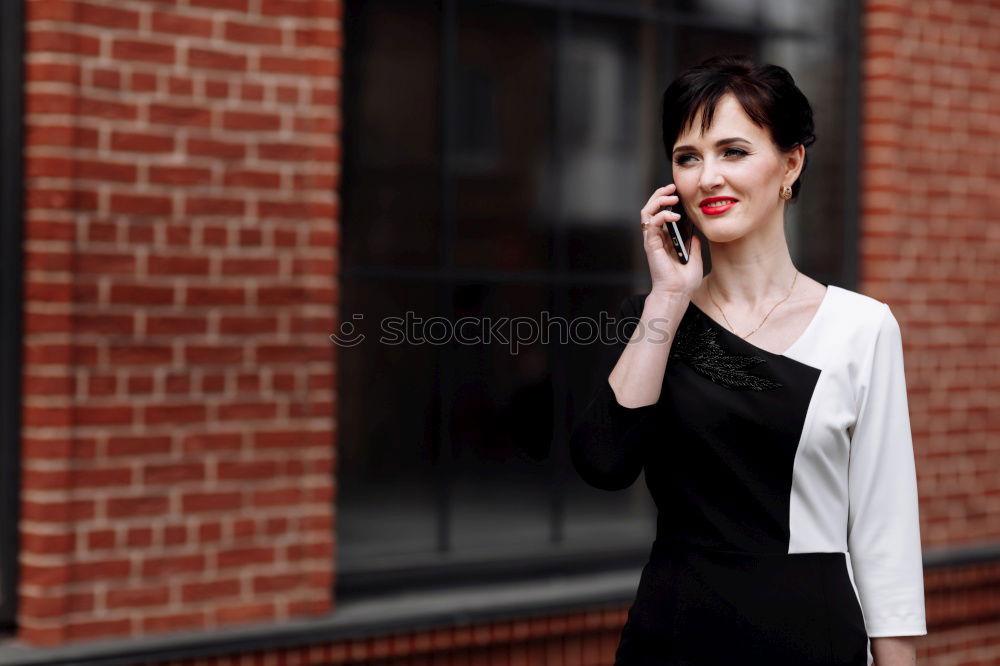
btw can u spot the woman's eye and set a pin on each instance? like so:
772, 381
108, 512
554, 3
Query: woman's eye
736, 153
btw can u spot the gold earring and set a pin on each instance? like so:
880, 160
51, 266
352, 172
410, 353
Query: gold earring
786, 192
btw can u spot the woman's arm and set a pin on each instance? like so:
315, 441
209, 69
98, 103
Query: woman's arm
607, 440
638, 376
883, 528
894, 651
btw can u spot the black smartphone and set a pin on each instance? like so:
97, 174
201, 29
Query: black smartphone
673, 230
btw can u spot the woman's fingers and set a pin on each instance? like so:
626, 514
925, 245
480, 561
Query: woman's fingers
654, 208
662, 196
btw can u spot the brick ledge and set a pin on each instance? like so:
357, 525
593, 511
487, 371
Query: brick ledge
350, 621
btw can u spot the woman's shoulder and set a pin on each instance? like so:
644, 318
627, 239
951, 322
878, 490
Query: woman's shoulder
859, 309
859, 321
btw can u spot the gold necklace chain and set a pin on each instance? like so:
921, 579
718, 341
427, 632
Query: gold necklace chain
790, 289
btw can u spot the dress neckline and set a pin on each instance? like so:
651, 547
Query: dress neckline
785, 354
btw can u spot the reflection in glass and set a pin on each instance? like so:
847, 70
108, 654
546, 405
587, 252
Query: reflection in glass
608, 126
816, 17
501, 426
695, 44
729, 12
503, 133
392, 177
387, 434
814, 223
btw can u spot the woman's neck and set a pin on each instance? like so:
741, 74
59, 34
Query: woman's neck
751, 272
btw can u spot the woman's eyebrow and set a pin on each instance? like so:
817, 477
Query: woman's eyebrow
720, 142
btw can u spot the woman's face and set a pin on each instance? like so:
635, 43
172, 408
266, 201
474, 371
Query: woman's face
746, 167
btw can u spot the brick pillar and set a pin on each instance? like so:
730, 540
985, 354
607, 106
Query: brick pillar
181, 227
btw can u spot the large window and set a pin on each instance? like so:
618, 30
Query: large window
496, 155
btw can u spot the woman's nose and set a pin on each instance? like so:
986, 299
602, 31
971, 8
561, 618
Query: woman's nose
710, 178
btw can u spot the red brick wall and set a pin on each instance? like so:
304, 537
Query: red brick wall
181, 225
931, 243
930, 247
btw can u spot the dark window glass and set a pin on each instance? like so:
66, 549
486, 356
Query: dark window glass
815, 224
392, 179
501, 429
608, 126
496, 156
725, 12
387, 438
11, 304
695, 43
503, 116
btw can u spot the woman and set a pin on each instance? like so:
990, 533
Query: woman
768, 410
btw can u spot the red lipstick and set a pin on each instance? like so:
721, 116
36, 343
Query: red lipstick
718, 209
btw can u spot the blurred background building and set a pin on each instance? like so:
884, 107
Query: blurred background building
196, 193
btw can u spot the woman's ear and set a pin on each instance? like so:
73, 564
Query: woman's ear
794, 161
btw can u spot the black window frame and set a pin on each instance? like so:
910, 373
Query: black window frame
11, 237
435, 571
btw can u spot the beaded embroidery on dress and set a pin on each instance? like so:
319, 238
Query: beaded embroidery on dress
699, 347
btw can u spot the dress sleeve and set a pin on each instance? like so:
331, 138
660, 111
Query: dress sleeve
606, 444
883, 528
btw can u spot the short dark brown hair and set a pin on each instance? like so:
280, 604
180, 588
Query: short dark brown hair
766, 92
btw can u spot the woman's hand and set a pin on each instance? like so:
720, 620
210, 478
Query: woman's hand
670, 276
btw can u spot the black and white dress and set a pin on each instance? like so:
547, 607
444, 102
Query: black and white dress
785, 485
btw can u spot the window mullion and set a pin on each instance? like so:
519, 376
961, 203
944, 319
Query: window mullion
445, 288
